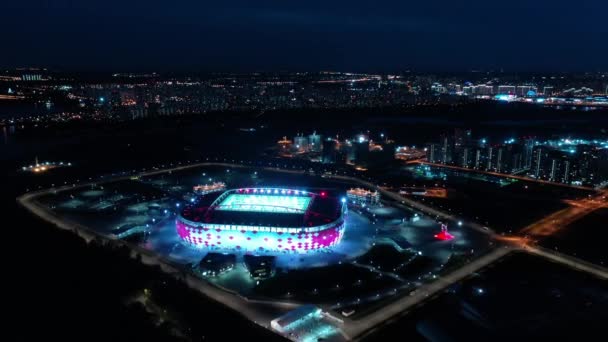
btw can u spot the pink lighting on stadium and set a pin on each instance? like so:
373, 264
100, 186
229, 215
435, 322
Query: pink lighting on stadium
265, 240
322, 225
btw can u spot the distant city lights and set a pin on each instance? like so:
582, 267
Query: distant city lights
40, 167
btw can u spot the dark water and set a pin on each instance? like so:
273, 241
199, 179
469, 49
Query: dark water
9, 109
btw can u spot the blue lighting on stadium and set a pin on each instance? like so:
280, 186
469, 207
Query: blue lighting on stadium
318, 232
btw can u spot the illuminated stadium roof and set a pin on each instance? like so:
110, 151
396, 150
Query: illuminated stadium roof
265, 207
265, 203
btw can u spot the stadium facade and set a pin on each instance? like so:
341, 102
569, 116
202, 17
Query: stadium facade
263, 220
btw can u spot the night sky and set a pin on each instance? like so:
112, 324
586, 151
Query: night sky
354, 35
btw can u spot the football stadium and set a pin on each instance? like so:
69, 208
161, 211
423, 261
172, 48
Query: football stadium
263, 220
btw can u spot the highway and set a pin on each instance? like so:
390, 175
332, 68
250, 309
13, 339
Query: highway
570, 261
562, 218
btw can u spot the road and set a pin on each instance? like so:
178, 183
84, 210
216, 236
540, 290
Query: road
562, 218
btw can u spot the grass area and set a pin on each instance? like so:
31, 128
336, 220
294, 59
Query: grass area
385, 258
504, 205
417, 266
501, 209
455, 261
585, 238
324, 284
521, 297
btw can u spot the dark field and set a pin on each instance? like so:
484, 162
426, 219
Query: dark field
585, 238
501, 204
522, 297
327, 284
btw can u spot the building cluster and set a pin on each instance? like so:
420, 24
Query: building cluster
582, 163
214, 264
491, 89
578, 162
135, 96
461, 149
25, 75
521, 85
363, 197
260, 266
293, 320
360, 151
549, 91
209, 188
